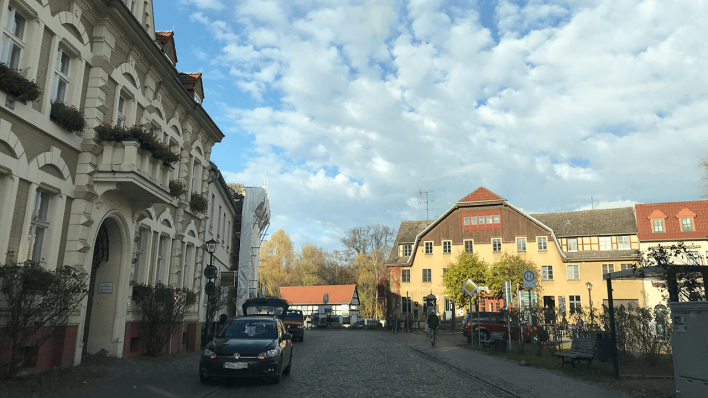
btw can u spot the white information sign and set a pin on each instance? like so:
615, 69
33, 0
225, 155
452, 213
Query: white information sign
105, 288
469, 287
529, 280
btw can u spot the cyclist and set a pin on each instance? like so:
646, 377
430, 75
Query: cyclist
433, 322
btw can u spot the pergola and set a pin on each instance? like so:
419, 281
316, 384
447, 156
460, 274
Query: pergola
648, 272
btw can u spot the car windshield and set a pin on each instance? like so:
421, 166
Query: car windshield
249, 329
293, 314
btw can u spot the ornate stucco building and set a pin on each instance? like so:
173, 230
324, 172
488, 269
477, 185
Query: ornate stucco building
100, 205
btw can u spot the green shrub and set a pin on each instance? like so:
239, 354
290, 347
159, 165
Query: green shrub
198, 203
159, 150
67, 116
18, 86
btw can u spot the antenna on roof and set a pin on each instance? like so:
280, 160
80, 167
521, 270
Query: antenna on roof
426, 201
592, 203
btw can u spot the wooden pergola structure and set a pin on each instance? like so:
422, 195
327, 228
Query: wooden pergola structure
648, 272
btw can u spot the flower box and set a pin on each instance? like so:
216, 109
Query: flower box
198, 203
67, 117
159, 150
17, 86
177, 188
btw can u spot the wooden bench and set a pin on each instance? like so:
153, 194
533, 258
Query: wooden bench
580, 350
490, 340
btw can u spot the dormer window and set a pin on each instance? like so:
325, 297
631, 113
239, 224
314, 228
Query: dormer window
657, 225
686, 224
197, 99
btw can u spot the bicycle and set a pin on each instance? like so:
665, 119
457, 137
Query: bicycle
432, 336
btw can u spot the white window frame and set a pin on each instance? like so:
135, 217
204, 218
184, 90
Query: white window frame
405, 275
497, 219
447, 246
469, 244
121, 110
657, 227
575, 304
605, 243
547, 272
407, 250
625, 267
489, 219
39, 226
12, 43
575, 244
520, 244
624, 242
481, 220
466, 220
688, 224
573, 270
429, 273
496, 245
473, 220
162, 243
542, 243
607, 268
428, 247
61, 76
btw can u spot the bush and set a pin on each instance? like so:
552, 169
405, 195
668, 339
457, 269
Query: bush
177, 188
38, 300
198, 203
163, 309
67, 117
16, 85
147, 140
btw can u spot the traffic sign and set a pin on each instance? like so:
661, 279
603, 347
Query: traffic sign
482, 288
210, 272
469, 287
210, 288
529, 280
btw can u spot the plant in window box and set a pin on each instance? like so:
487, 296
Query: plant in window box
198, 203
177, 188
17, 86
67, 116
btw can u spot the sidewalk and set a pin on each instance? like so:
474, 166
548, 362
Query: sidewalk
523, 380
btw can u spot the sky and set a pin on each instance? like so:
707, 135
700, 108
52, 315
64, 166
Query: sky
352, 109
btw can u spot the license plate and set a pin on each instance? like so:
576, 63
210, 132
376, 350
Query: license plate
235, 365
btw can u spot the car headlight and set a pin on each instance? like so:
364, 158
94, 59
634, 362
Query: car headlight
209, 353
299, 326
270, 353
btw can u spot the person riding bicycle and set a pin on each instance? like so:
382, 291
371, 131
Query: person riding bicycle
433, 321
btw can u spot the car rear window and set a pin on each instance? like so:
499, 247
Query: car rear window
249, 329
293, 314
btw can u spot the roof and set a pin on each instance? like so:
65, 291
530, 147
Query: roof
167, 40
619, 221
299, 295
671, 213
192, 81
482, 194
406, 234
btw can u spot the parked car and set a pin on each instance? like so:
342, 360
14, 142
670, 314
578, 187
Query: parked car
254, 345
295, 324
489, 322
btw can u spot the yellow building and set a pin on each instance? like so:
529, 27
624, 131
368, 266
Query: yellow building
569, 249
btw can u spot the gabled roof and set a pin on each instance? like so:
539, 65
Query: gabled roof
672, 212
591, 222
481, 194
302, 295
406, 234
193, 83
167, 40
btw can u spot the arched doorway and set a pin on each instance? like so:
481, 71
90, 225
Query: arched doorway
103, 289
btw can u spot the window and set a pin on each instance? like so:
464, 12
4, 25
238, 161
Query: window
38, 226
195, 171
497, 219
693, 258
481, 220
12, 40
547, 271
623, 243
161, 258
574, 303
407, 250
61, 76
496, 245
465, 221
447, 247
607, 268
473, 220
542, 243
427, 275
469, 245
120, 117
686, 224
139, 250
211, 216
521, 244
572, 245
625, 267
428, 247
489, 219
658, 225
218, 226
405, 275
573, 273
605, 243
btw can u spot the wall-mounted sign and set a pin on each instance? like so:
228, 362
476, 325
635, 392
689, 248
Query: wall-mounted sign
105, 288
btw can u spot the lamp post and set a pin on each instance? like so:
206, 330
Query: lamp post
592, 319
210, 273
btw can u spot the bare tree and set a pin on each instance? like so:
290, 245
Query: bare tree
357, 240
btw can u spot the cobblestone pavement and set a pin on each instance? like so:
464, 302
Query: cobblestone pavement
328, 363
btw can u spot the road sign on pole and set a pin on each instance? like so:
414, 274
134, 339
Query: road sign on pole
469, 287
529, 280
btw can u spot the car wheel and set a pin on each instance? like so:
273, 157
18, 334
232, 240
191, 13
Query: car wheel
536, 339
203, 378
277, 378
483, 335
287, 370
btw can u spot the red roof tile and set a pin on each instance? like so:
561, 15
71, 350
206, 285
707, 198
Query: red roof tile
482, 194
338, 294
671, 213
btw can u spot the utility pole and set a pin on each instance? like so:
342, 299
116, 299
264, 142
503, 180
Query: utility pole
426, 201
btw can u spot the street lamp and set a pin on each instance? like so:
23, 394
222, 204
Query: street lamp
210, 273
592, 319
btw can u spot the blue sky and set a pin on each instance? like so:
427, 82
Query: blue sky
352, 108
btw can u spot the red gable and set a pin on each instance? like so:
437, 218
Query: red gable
672, 213
167, 39
299, 295
482, 194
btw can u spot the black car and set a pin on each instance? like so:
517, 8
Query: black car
250, 346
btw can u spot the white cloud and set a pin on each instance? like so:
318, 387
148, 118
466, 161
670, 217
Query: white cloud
356, 106
205, 4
